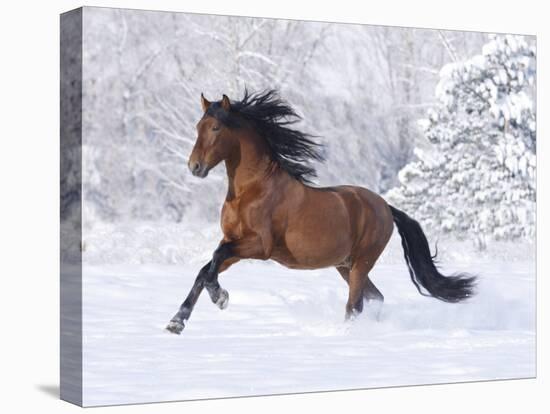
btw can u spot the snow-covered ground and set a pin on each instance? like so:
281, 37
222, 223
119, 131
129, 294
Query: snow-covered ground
284, 331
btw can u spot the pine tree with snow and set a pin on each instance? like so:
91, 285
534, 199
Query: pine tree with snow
475, 175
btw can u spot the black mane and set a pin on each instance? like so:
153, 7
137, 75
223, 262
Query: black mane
272, 118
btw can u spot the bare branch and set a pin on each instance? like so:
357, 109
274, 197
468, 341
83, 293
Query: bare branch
448, 47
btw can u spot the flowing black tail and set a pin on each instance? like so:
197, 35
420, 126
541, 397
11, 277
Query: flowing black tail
421, 266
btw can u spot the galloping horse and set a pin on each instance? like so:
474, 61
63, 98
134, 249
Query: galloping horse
272, 212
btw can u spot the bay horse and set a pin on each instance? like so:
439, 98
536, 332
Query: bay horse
272, 211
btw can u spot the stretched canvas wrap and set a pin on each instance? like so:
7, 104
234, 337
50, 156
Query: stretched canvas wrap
254, 206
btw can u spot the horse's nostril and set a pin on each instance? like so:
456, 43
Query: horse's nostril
195, 167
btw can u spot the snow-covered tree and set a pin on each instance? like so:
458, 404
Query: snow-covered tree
475, 175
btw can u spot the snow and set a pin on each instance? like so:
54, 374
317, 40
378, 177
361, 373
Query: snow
137, 242
284, 330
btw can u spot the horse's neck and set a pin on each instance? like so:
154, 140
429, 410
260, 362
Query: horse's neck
250, 167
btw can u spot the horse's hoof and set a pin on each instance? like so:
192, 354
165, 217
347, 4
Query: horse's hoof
175, 327
223, 299
352, 315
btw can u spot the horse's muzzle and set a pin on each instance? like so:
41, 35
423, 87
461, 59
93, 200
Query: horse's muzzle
198, 169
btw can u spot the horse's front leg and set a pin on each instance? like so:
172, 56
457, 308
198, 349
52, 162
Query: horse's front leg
225, 255
222, 258
207, 278
177, 323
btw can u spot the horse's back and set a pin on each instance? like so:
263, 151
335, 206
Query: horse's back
360, 201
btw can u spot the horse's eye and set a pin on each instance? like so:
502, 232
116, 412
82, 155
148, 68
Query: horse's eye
216, 128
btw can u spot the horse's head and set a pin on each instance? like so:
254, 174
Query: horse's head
215, 140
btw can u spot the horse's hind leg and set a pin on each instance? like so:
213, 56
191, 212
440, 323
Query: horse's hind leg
360, 287
371, 292
356, 282
344, 272
374, 296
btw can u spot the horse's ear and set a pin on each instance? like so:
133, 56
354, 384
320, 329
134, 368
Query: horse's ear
205, 103
226, 105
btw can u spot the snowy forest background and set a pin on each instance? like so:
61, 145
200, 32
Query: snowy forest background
442, 123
